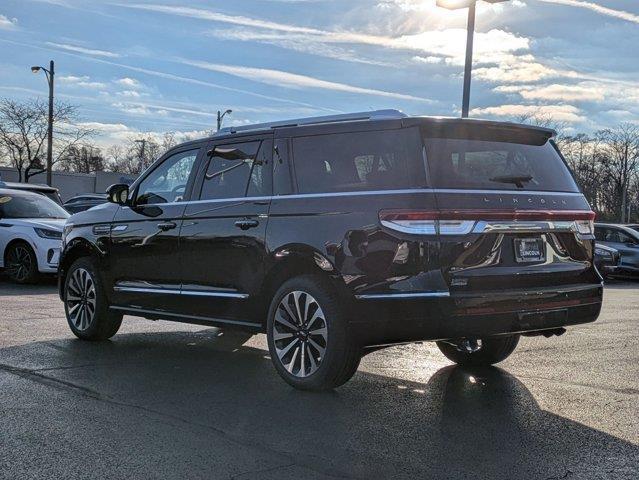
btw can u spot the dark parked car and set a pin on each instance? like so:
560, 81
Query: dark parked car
51, 193
83, 202
606, 260
625, 240
340, 235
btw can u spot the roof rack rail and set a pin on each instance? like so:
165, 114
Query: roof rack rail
347, 117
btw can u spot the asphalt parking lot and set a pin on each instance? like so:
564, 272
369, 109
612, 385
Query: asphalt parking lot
165, 400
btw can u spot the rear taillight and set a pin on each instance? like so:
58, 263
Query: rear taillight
461, 222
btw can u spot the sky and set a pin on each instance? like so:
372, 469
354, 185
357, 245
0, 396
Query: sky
169, 65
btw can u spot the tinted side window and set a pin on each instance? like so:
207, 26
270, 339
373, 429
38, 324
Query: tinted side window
167, 182
231, 173
377, 160
260, 181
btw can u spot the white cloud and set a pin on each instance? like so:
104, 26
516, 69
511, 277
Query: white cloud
129, 94
431, 59
87, 51
517, 69
292, 80
449, 42
311, 44
139, 109
80, 81
559, 113
557, 92
210, 15
7, 23
597, 8
128, 82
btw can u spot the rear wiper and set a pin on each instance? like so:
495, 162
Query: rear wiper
518, 180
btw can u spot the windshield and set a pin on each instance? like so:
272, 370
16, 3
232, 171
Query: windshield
494, 165
30, 206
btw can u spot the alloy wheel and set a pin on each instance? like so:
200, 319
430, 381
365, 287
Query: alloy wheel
81, 299
19, 263
300, 334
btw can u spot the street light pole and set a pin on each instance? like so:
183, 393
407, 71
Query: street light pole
471, 5
469, 60
50, 73
50, 134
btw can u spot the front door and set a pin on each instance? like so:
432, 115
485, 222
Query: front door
222, 244
144, 263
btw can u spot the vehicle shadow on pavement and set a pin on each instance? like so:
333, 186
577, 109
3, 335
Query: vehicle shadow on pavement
189, 404
44, 285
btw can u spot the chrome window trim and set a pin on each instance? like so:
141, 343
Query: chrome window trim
380, 296
364, 193
181, 292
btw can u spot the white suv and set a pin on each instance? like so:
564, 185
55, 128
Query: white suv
30, 234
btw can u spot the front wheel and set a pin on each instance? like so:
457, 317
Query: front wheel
479, 352
86, 305
21, 263
308, 336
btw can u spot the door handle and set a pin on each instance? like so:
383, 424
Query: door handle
246, 224
165, 227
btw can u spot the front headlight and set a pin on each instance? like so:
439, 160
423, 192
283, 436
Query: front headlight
49, 234
603, 253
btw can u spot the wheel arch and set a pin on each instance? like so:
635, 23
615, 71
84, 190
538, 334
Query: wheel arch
14, 241
292, 261
78, 248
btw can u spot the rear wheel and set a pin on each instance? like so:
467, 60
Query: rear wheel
479, 352
308, 335
86, 304
21, 263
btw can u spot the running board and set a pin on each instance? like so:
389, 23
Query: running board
175, 317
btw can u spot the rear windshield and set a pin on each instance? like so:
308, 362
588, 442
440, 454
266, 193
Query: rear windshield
356, 161
493, 165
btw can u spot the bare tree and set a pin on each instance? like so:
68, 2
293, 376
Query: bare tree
23, 133
83, 159
619, 158
539, 118
135, 156
581, 153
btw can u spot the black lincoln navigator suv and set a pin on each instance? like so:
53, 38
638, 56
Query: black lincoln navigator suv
340, 235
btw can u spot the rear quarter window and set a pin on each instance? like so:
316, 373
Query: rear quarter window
356, 161
493, 165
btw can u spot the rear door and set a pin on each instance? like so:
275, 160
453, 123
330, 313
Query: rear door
511, 215
222, 239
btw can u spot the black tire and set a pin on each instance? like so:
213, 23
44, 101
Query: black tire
341, 356
21, 263
104, 323
493, 350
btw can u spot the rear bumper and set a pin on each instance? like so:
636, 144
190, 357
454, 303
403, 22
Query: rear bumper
389, 320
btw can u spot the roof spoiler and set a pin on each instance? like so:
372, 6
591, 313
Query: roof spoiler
471, 129
348, 117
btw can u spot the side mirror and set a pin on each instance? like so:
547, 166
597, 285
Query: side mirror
118, 193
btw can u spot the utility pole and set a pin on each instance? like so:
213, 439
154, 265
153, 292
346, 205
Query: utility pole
142, 151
